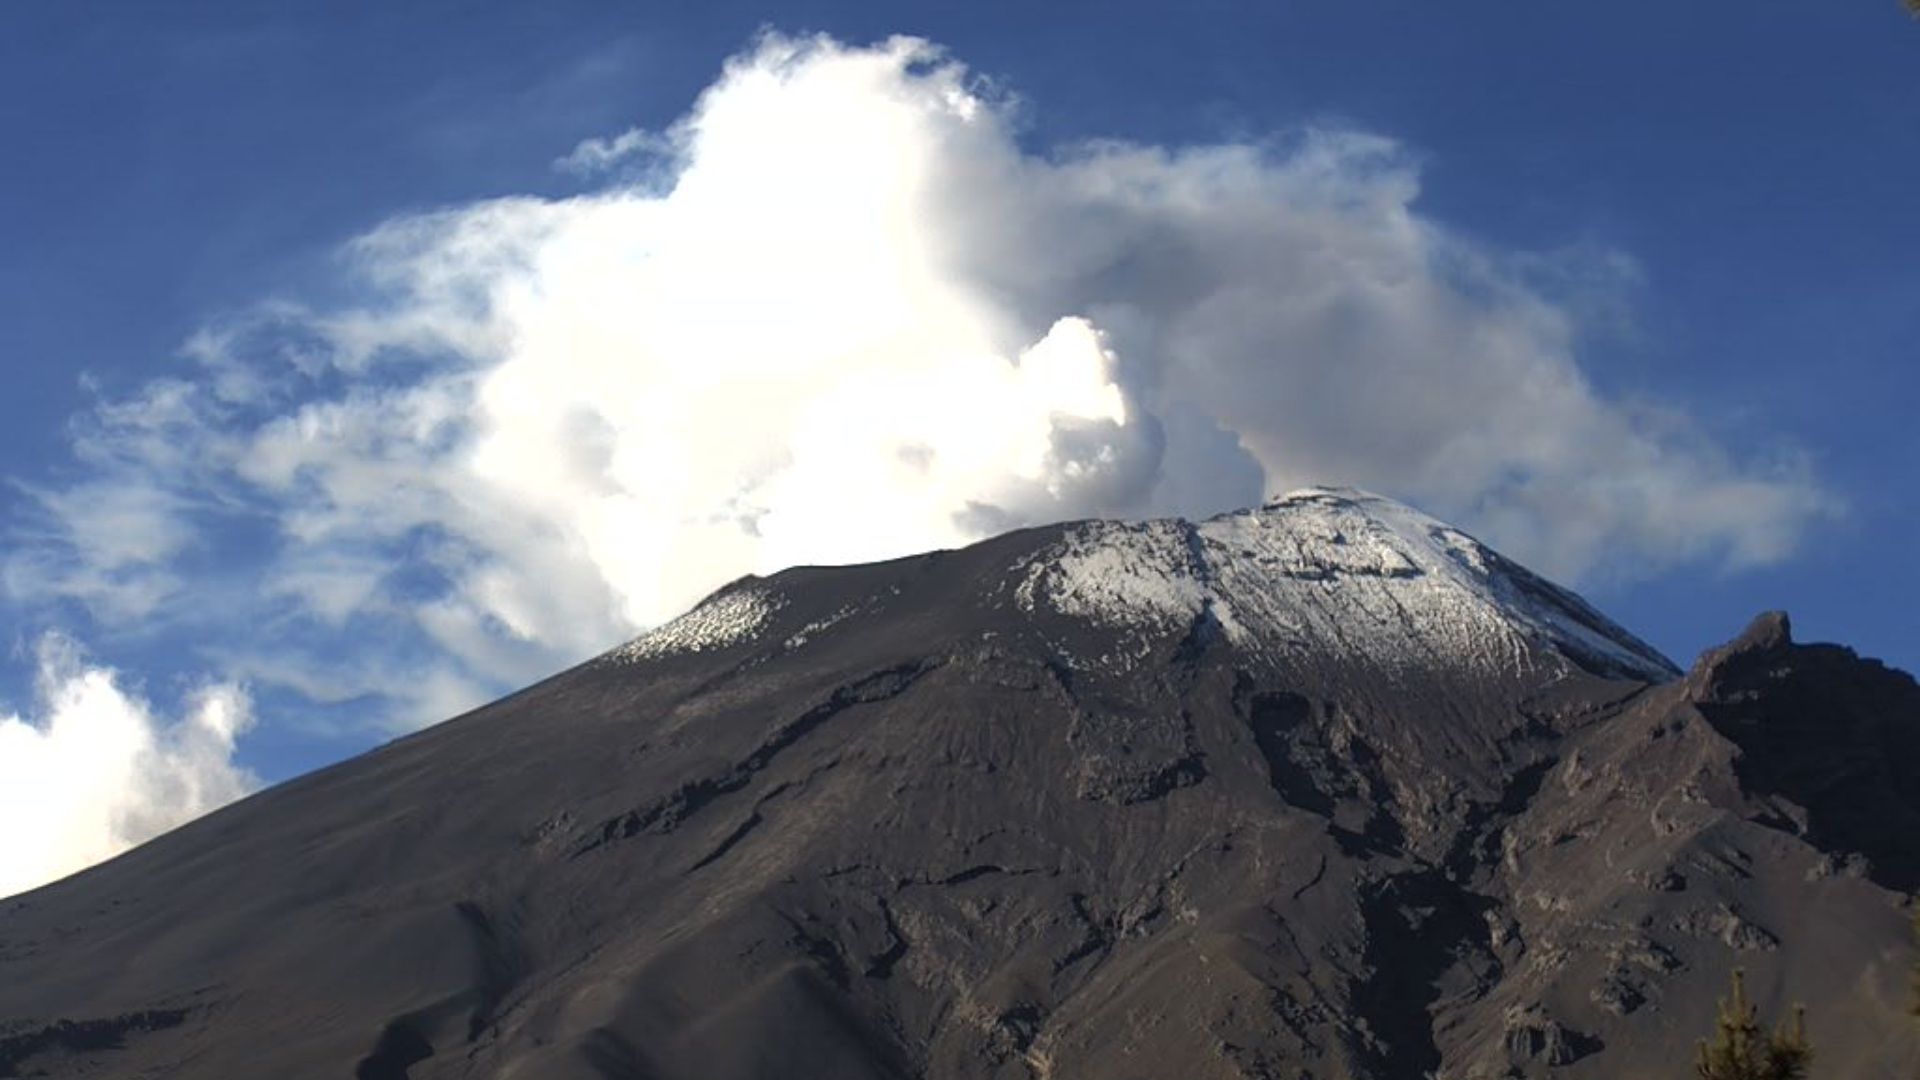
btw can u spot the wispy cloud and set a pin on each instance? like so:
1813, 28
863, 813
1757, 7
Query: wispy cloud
603, 154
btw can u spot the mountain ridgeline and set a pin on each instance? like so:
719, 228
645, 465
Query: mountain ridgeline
1325, 789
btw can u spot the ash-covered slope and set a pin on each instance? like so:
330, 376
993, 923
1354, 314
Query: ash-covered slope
1326, 789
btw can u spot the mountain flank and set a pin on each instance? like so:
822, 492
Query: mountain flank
1324, 789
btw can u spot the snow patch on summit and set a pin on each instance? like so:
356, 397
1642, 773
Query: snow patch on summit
727, 617
1330, 572
1120, 575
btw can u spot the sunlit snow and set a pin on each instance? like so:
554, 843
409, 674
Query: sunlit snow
1325, 571
1320, 572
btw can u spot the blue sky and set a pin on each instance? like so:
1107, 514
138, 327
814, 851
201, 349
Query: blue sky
1704, 212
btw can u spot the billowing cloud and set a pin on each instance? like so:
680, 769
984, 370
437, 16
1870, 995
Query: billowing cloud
840, 312
95, 770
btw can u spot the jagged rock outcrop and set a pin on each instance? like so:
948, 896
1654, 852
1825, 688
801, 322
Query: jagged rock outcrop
1326, 789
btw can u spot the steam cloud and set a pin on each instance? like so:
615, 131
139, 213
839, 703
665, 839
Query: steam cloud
838, 312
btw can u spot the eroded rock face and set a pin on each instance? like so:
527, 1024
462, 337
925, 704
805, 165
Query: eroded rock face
1830, 734
1326, 789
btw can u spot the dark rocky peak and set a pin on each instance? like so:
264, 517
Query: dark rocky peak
1769, 632
1836, 734
1737, 668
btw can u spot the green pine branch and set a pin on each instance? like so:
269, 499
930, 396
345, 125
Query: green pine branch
1913, 1006
1743, 1048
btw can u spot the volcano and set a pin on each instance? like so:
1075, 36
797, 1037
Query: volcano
1323, 789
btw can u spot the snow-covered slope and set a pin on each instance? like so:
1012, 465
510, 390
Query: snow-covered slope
1333, 572
1316, 575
